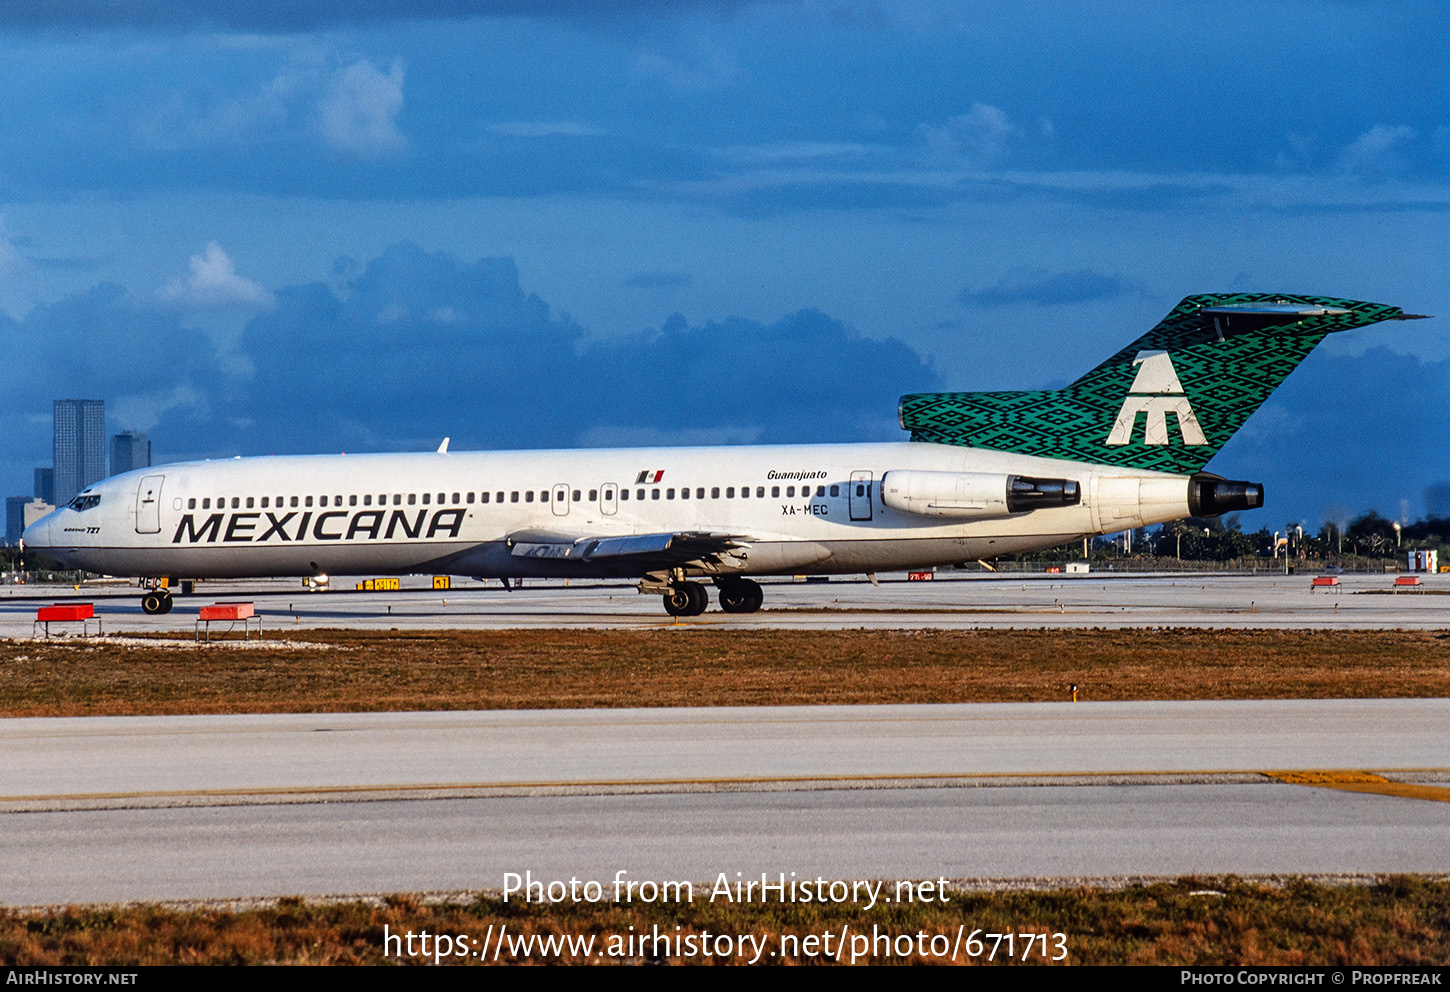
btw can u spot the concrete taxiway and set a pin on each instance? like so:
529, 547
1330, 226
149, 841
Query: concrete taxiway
109, 809
180, 808
950, 601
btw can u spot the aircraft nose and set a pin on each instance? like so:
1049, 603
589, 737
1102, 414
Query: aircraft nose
37, 535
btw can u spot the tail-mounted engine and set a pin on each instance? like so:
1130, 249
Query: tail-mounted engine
974, 494
1209, 495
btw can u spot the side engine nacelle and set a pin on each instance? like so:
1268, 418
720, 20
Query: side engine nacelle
973, 495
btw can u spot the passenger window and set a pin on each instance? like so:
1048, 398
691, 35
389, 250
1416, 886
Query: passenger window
729, 492
265, 501
352, 501
397, 499
250, 502
294, 500
790, 490
458, 499
700, 492
744, 492
543, 495
442, 498
206, 503
714, 492
412, 499
654, 494
639, 494
322, 501
624, 494
308, 501
684, 493
483, 497
470, 497
191, 503
514, 496
576, 496
367, 499
835, 490
426, 498
775, 490
593, 495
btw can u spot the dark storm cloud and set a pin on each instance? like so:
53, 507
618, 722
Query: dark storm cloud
1310, 444
424, 345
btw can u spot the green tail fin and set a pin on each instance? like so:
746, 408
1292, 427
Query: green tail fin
1167, 402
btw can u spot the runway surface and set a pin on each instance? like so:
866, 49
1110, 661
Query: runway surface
109, 809
951, 601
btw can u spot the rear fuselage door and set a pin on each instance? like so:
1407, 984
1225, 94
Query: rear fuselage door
561, 500
860, 495
148, 504
609, 499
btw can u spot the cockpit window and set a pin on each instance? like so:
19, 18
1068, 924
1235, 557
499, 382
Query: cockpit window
84, 501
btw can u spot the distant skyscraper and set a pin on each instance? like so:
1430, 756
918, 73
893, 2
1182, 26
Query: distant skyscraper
45, 484
80, 446
129, 450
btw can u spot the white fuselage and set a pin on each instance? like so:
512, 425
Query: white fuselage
809, 508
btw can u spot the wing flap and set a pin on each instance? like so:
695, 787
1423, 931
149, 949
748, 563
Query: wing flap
670, 548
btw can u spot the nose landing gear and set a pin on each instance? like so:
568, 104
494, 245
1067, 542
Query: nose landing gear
156, 601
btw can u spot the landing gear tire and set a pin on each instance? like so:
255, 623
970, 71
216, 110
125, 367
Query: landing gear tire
156, 602
688, 599
741, 596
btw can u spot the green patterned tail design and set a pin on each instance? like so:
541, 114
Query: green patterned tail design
1140, 409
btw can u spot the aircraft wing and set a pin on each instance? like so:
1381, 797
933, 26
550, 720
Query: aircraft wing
664, 550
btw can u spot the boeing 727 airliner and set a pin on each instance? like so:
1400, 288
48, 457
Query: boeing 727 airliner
983, 474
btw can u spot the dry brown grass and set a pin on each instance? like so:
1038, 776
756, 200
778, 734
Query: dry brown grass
358, 671
1400, 921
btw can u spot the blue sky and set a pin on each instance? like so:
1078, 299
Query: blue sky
319, 225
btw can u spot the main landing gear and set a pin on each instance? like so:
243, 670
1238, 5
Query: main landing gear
689, 598
156, 602
740, 595
686, 599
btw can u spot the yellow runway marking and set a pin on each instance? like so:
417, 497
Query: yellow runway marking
1348, 780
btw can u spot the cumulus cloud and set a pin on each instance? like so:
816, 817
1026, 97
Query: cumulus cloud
215, 285
359, 111
1039, 286
1380, 151
981, 136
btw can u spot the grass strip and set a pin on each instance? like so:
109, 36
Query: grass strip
354, 671
1191, 921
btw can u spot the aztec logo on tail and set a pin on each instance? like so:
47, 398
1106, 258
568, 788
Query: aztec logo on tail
1156, 393
1228, 351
